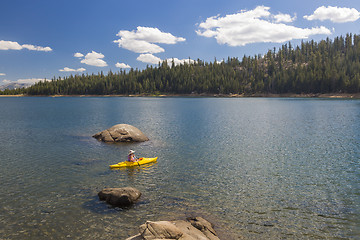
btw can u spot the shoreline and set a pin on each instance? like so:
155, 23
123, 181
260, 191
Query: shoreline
256, 95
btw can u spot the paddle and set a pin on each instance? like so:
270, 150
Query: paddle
138, 161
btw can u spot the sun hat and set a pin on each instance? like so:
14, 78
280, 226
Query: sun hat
131, 151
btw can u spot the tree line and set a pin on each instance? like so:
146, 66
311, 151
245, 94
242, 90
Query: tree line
328, 66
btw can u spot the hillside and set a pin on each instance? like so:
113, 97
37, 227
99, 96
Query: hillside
328, 66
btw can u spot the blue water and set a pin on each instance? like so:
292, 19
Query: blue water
257, 168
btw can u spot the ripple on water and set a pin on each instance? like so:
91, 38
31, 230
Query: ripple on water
258, 168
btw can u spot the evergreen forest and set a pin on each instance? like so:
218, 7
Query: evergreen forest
328, 66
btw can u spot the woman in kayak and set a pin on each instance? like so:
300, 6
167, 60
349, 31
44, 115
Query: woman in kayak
131, 156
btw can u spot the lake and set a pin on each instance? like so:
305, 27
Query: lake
261, 168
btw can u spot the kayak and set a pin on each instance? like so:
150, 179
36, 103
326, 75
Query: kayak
134, 164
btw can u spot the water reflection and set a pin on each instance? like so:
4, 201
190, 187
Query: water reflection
134, 170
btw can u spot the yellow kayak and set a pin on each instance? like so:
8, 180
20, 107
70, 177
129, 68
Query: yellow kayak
134, 164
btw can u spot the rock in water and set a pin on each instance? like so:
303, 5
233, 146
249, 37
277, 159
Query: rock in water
121, 133
204, 226
181, 230
160, 230
120, 197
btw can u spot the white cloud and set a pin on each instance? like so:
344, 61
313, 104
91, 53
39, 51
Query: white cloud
143, 39
284, 18
30, 80
66, 69
149, 34
334, 14
148, 58
122, 65
5, 81
2, 74
139, 46
36, 48
23, 82
78, 55
9, 45
179, 61
94, 59
253, 26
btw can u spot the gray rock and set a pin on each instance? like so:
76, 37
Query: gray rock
121, 133
120, 197
182, 230
160, 230
204, 226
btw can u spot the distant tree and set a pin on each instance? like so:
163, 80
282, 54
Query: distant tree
324, 67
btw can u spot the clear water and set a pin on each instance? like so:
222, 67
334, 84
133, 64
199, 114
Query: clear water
257, 168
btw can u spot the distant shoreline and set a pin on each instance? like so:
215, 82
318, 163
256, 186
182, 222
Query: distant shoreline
256, 95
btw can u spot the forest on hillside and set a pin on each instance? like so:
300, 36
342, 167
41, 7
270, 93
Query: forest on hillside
328, 66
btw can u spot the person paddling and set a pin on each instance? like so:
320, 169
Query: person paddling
131, 156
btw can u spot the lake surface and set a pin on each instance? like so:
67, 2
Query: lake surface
255, 167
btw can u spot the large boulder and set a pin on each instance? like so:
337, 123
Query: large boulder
160, 230
204, 226
121, 133
193, 229
120, 197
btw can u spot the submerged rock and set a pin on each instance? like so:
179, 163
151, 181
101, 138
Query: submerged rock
120, 197
121, 133
193, 229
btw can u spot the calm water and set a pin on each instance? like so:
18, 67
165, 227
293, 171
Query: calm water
258, 168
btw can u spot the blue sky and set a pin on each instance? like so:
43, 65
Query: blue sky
42, 39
